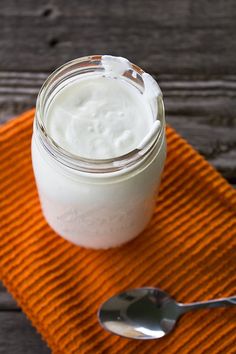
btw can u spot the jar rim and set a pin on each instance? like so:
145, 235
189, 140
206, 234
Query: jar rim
72, 69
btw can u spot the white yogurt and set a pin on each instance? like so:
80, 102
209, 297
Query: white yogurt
99, 118
102, 114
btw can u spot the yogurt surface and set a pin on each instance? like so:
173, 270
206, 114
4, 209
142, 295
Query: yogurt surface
99, 117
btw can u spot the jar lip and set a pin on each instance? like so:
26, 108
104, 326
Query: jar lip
76, 162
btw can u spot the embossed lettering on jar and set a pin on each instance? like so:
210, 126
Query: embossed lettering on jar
98, 150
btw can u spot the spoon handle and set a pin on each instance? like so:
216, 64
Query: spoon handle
227, 301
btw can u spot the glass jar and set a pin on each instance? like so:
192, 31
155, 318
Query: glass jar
95, 203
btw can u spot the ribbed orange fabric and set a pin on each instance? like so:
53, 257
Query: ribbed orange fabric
189, 250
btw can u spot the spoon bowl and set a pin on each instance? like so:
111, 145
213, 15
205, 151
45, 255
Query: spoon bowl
144, 313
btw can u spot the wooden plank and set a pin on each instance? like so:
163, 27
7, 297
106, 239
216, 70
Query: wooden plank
6, 300
219, 14
160, 36
17, 336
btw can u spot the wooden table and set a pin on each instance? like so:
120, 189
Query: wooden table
189, 46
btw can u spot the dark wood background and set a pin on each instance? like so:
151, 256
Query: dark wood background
189, 46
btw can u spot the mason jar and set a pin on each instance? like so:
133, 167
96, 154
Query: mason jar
96, 203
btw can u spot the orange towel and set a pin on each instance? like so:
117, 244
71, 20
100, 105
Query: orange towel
189, 250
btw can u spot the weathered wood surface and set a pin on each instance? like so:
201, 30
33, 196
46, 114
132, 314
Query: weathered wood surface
7, 303
18, 336
194, 37
189, 46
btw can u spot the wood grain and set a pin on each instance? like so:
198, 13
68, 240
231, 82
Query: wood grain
18, 336
7, 303
162, 36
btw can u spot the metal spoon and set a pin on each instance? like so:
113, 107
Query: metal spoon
148, 313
